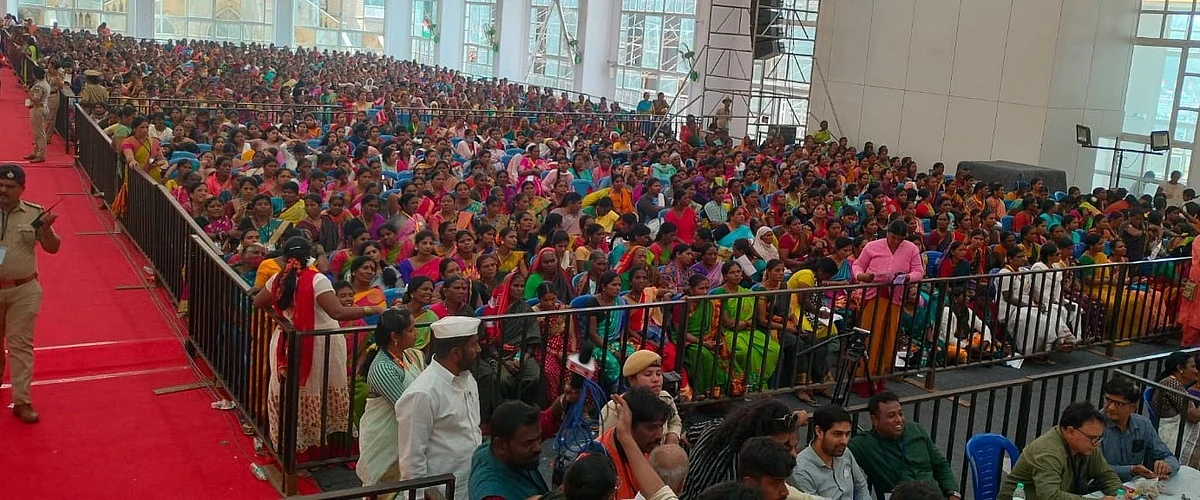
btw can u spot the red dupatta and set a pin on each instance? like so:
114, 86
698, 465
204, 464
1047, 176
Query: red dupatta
304, 317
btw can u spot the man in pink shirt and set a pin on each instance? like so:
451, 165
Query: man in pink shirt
891, 263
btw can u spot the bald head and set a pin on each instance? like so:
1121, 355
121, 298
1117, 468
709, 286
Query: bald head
671, 464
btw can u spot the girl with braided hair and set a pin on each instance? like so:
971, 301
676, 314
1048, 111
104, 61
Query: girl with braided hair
306, 298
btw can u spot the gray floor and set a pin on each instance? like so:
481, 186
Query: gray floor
948, 421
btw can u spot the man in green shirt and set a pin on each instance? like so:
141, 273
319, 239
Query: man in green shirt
894, 451
1060, 464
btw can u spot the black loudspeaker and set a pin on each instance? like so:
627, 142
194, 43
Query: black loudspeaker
764, 34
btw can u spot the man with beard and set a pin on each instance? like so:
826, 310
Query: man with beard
439, 414
826, 468
507, 465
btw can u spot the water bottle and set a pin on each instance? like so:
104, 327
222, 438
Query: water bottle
1019, 493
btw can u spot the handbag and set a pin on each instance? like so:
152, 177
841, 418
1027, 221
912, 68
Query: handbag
1189, 290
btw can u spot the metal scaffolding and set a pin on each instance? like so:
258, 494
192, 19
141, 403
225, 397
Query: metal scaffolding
780, 83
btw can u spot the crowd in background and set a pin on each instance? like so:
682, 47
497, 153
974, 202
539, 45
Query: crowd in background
422, 189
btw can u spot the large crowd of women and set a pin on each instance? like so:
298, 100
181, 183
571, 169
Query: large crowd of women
421, 189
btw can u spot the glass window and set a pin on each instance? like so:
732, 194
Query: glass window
231, 20
655, 36
1150, 25
481, 38
76, 14
553, 42
1150, 98
350, 26
1180, 159
1185, 126
780, 85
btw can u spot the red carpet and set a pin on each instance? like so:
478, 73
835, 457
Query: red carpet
100, 354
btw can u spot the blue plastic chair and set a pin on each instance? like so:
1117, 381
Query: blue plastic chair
386, 137
581, 186
985, 453
1146, 395
392, 176
1059, 196
479, 311
404, 176
1006, 222
1008, 204
663, 213
313, 143
514, 151
532, 302
203, 148
928, 226
388, 194
1079, 248
182, 154
454, 141
935, 259
371, 114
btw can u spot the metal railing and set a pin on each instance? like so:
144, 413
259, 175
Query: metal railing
1020, 409
410, 487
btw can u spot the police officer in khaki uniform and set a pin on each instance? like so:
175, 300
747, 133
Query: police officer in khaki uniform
23, 226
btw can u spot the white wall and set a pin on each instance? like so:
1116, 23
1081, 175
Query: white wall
951, 80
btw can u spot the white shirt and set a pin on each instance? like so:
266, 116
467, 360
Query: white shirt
166, 134
438, 426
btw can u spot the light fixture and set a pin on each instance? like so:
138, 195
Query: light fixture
1160, 140
1083, 135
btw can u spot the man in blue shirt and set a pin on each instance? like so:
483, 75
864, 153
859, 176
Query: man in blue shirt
507, 466
1131, 445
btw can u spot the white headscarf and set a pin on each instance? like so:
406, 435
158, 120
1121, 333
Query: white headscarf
765, 250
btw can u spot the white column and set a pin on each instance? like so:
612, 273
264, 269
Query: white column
397, 29
513, 23
141, 19
598, 22
452, 22
285, 23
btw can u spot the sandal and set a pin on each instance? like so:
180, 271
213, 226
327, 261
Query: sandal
806, 398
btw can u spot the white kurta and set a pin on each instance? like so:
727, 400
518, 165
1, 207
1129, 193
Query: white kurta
438, 426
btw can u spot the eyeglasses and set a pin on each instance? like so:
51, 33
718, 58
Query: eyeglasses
1115, 402
1094, 439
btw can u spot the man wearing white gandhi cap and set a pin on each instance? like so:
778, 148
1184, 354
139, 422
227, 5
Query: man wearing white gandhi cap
438, 416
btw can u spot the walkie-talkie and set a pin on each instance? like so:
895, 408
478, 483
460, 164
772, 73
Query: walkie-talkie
37, 221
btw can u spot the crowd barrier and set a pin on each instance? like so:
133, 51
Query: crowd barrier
1123, 302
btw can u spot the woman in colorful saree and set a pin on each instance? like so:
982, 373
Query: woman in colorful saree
736, 229
754, 352
646, 323
637, 256
605, 329
417, 299
706, 371
261, 220
362, 276
423, 261
140, 151
306, 298
560, 343
507, 254
508, 367
545, 269
1130, 311
393, 366
408, 223
319, 226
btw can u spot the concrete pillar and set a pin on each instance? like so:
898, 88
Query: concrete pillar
452, 21
141, 19
513, 24
397, 29
599, 21
285, 23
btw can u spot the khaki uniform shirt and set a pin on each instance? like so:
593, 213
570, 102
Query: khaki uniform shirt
19, 240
